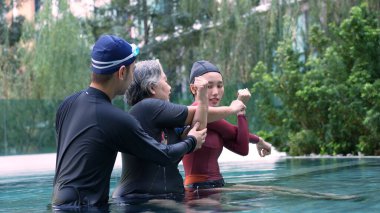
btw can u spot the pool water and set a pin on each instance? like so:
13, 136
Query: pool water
323, 184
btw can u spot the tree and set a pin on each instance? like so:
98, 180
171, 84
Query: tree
328, 103
114, 18
55, 55
51, 61
10, 34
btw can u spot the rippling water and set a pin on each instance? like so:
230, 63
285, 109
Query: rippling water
277, 184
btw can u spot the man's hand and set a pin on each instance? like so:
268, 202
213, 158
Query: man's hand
199, 135
237, 106
263, 148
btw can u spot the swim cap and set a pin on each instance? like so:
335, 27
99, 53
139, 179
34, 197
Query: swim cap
110, 53
201, 67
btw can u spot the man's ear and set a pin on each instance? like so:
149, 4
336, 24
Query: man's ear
122, 73
193, 89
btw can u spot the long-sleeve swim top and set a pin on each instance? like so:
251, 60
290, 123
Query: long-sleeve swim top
202, 165
90, 132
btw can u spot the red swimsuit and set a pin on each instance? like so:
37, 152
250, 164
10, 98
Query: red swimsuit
202, 165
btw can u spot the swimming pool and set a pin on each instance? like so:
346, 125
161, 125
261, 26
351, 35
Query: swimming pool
302, 184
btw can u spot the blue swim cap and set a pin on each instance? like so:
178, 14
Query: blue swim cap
110, 53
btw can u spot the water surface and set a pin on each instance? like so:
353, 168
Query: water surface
282, 184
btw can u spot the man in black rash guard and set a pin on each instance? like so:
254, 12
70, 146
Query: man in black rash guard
90, 131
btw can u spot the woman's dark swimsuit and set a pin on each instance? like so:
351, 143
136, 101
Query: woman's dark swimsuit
147, 179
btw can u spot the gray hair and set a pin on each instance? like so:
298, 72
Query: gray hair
146, 75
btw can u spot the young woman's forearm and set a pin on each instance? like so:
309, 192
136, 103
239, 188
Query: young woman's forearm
200, 115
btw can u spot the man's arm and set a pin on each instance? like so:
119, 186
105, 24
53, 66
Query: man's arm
137, 142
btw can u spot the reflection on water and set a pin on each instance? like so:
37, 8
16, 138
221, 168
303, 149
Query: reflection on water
276, 184
21, 165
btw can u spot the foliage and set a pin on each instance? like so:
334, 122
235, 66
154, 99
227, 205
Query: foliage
30, 127
49, 62
55, 55
114, 18
9, 63
314, 65
328, 103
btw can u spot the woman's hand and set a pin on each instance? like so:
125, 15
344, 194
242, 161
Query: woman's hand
201, 84
237, 106
244, 95
263, 147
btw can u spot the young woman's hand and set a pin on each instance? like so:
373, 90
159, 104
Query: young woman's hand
237, 106
244, 95
263, 147
201, 84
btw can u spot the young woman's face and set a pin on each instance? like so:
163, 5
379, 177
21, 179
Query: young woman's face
215, 87
162, 89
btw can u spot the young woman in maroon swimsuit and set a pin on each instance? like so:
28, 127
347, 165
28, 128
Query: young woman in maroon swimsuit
201, 167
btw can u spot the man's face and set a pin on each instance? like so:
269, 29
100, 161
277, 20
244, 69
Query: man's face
130, 72
127, 79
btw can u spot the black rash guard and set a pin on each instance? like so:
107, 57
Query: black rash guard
90, 131
158, 118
